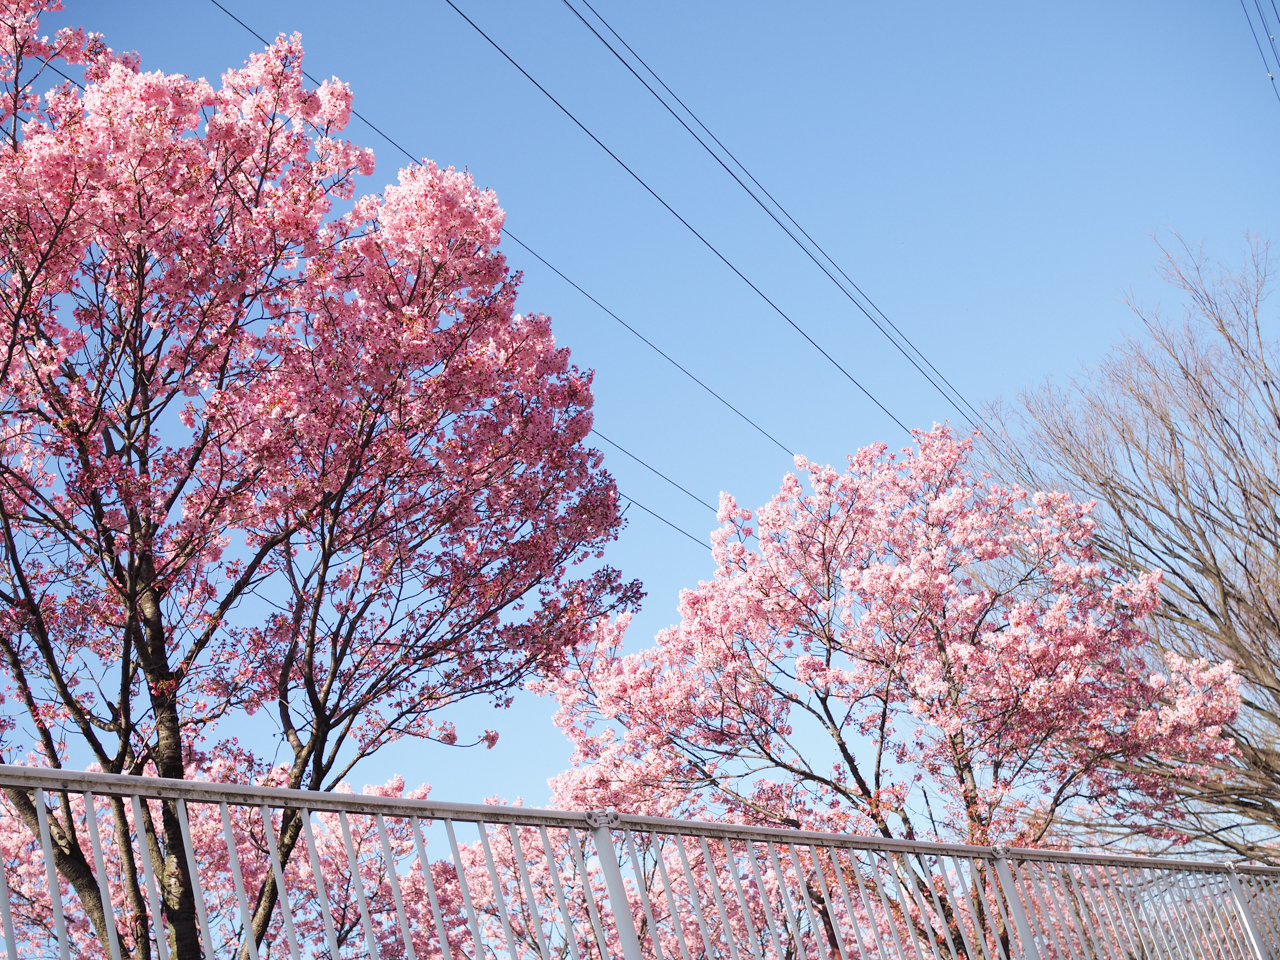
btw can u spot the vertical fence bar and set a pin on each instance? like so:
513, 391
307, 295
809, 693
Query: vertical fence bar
1229, 921
322, 896
197, 891
104, 884
694, 899
764, 899
1004, 872
148, 877
937, 903
1260, 949
277, 871
669, 892
792, 920
570, 934
1036, 904
6, 916
638, 869
1105, 887
743, 905
1177, 921
873, 875
802, 883
1152, 909
1216, 936
1058, 906
987, 885
441, 931
499, 896
1195, 919
863, 952
233, 858
828, 905
978, 948
1075, 938
389, 860
713, 878
955, 907
535, 915
899, 896
357, 881
1262, 905
51, 872
1157, 897
1010, 930
1188, 907
597, 925
1097, 909
926, 925
1093, 917
1144, 944
601, 823
1074, 907
1137, 899
477, 941
1267, 892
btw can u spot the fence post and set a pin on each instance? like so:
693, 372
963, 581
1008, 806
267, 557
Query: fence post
602, 823
1004, 870
1254, 936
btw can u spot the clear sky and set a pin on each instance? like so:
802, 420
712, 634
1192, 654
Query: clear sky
991, 174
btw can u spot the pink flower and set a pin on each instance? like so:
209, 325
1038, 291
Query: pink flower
910, 651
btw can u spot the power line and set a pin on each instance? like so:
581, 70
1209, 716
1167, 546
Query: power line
692, 496
670, 209
1266, 28
971, 412
658, 350
654, 470
658, 516
367, 122
1265, 63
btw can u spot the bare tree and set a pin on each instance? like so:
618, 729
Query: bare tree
1177, 435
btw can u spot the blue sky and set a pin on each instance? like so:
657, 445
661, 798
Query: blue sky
991, 174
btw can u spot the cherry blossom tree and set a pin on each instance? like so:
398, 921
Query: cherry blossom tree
903, 649
264, 445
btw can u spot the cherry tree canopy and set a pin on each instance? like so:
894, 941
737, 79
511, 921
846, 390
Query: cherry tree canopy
264, 445
903, 648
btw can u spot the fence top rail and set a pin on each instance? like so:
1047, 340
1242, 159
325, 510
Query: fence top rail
203, 791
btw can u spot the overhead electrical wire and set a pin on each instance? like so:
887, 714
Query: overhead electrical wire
1258, 43
968, 411
670, 209
632, 500
692, 496
662, 353
1266, 28
657, 516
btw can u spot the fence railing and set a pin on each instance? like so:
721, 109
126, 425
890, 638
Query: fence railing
126, 868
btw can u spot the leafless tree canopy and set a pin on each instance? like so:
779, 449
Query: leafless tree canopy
1177, 435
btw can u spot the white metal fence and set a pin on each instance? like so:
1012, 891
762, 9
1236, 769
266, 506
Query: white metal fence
120, 868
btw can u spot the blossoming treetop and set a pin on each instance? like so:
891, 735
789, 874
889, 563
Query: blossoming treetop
909, 650
257, 453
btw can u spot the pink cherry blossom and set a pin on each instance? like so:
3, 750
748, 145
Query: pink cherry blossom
265, 445
911, 651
